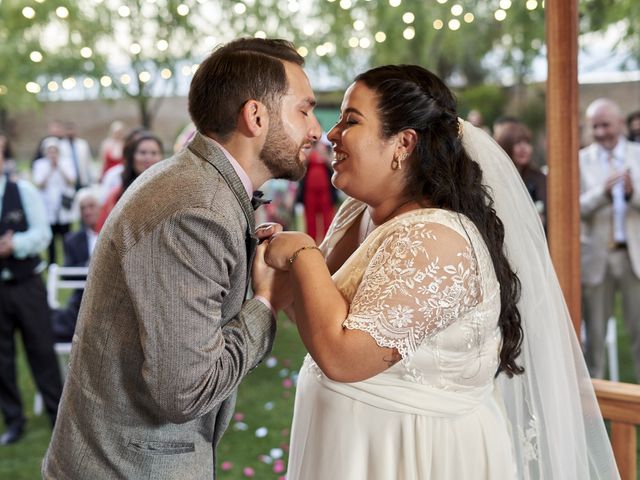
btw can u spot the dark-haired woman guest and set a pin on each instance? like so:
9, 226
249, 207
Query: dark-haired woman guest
515, 139
144, 151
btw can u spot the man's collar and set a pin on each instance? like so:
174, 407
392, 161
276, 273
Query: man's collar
244, 178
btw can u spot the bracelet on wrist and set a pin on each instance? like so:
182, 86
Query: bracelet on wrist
293, 257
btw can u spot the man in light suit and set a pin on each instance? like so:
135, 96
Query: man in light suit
610, 214
165, 334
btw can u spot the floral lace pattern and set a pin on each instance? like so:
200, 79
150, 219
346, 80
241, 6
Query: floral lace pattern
421, 278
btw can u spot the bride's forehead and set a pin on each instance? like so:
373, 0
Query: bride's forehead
360, 96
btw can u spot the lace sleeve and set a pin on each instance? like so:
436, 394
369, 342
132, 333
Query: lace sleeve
421, 279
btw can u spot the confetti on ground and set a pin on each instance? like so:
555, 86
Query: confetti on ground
262, 432
283, 373
276, 453
240, 426
271, 362
287, 383
248, 472
268, 406
238, 417
226, 466
278, 466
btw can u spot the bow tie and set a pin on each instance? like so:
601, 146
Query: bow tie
257, 199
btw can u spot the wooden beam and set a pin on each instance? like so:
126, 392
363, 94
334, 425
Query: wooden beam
619, 402
563, 216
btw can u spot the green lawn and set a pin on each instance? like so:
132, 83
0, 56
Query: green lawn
265, 404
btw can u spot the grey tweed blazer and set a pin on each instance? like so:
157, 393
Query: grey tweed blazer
164, 335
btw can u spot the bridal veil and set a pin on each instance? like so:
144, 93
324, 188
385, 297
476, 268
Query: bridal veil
557, 427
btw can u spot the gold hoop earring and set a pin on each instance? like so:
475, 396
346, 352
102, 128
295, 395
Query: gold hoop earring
396, 164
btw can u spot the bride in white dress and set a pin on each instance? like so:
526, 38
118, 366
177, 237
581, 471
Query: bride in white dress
420, 367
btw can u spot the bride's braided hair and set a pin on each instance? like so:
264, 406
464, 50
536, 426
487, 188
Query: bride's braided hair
439, 170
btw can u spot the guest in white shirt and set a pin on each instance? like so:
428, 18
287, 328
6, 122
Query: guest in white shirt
55, 177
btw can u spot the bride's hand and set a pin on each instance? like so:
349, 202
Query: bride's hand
283, 245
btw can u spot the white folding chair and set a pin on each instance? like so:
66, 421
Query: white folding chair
61, 278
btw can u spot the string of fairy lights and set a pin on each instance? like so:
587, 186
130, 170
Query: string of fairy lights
362, 37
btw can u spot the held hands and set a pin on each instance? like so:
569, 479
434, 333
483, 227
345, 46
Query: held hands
267, 282
283, 246
623, 176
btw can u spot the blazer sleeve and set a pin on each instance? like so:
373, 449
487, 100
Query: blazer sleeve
178, 276
592, 193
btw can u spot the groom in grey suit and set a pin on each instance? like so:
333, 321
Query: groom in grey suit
164, 333
610, 214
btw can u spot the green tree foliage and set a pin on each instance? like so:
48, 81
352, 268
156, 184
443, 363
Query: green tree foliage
147, 49
41, 42
599, 15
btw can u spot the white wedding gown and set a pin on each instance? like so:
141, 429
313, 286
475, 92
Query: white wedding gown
422, 283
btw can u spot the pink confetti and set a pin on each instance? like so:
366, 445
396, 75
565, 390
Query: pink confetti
287, 383
226, 466
284, 432
286, 362
248, 472
278, 466
238, 417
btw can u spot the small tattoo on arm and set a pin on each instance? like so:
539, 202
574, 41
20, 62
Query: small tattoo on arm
393, 359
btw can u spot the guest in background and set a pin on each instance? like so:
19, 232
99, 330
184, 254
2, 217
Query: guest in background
55, 177
610, 221
515, 139
316, 192
78, 150
502, 122
24, 233
112, 178
55, 129
145, 151
475, 118
111, 149
633, 126
78, 247
6, 156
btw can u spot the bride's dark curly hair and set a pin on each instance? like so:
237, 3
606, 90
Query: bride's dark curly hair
440, 171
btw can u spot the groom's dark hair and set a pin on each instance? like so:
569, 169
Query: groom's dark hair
241, 70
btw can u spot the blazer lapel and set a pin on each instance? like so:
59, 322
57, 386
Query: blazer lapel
207, 150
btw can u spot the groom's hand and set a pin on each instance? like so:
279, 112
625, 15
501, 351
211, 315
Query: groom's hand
266, 230
270, 283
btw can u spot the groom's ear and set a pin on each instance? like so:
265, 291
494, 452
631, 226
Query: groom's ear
253, 119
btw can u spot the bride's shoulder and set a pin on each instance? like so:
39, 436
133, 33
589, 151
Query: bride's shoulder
421, 216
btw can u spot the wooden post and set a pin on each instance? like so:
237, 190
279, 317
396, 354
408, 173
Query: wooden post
563, 189
620, 404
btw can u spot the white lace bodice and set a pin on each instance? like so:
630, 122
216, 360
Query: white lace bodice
424, 283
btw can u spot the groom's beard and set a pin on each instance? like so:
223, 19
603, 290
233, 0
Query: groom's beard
280, 153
